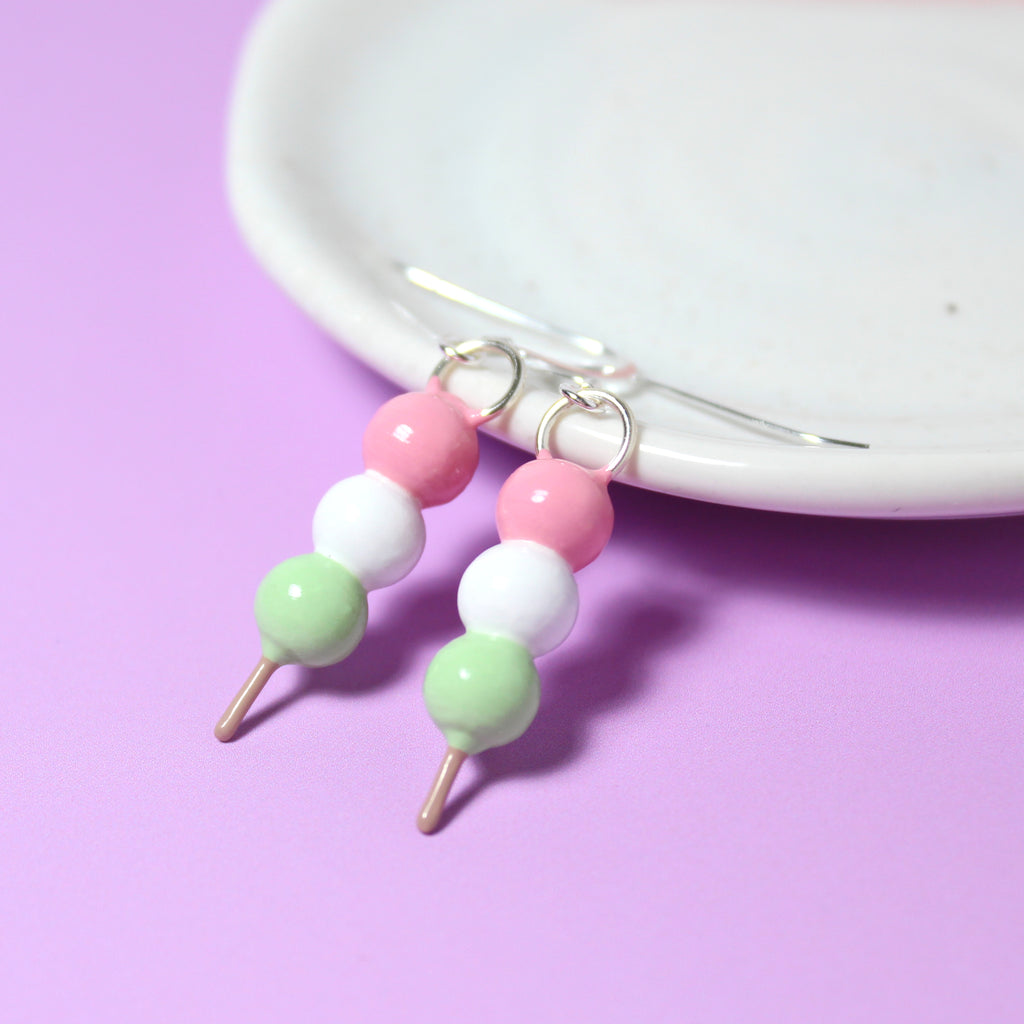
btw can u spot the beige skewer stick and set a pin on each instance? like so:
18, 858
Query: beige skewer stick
433, 807
239, 707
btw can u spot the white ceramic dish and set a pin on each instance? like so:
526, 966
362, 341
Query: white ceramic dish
811, 212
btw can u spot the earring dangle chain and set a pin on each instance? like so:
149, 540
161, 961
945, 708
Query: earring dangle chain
518, 600
420, 449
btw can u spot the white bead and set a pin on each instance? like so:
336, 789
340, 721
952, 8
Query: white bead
521, 590
371, 526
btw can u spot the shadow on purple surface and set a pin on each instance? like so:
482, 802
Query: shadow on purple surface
972, 567
587, 685
417, 618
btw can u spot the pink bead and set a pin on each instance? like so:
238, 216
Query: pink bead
558, 504
426, 442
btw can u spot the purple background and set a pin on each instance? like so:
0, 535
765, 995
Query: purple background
777, 774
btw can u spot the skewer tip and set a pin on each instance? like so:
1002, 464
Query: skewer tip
229, 722
225, 730
433, 807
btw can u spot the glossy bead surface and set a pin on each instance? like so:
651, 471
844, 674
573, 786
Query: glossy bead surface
482, 691
310, 610
425, 442
521, 590
560, 505
371, 526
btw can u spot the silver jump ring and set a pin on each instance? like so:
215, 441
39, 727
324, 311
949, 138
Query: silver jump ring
591, 400
465, 351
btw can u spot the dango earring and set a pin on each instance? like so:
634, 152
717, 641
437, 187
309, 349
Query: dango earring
420, 450
518, 600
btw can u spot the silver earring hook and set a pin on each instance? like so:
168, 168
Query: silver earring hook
605, 363
600, 360
466, 351
590, 399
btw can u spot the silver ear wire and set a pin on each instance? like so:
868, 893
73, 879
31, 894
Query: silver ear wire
602, 361
598, 360
755, 421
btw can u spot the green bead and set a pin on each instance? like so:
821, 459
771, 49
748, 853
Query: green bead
310, 610
482, 691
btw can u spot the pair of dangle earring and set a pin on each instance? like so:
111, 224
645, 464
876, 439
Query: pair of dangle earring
519, 599
420, 450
